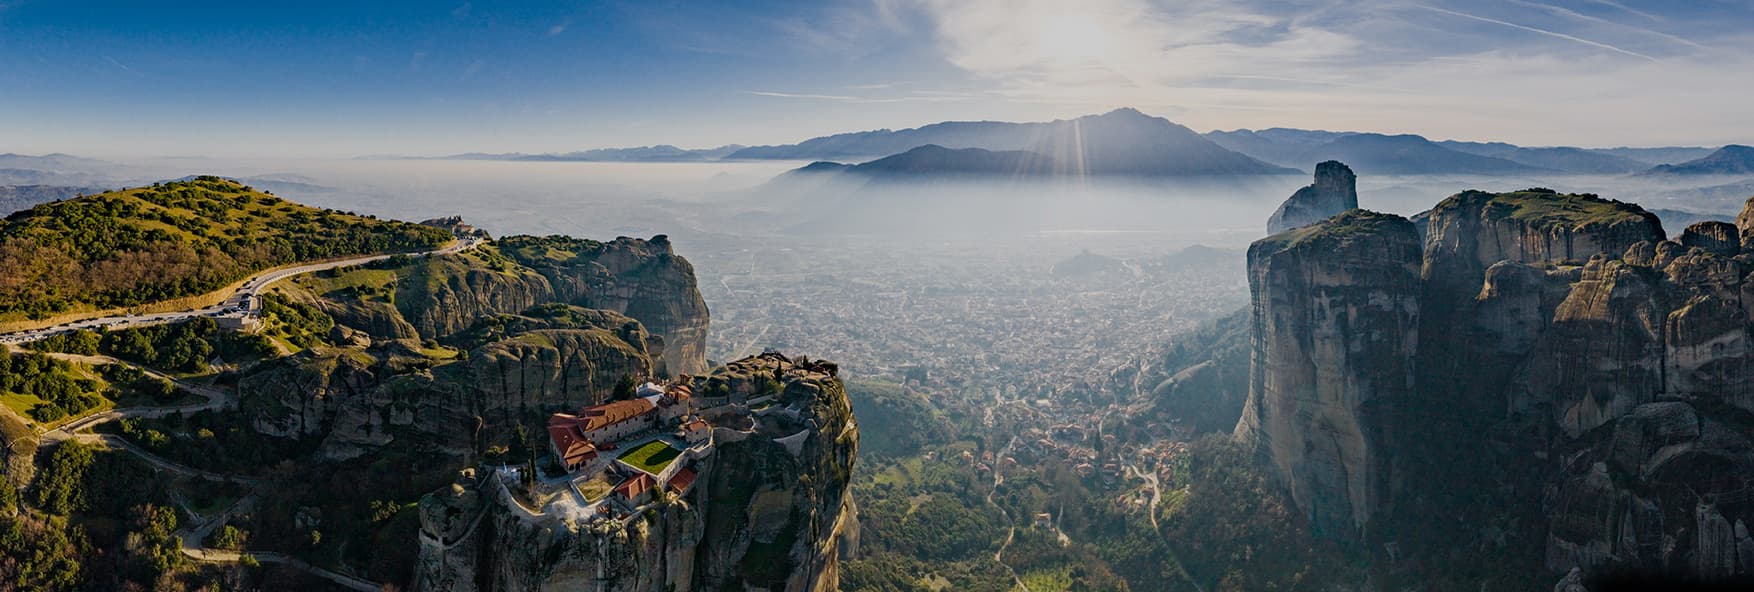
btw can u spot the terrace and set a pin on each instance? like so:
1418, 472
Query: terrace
652, 457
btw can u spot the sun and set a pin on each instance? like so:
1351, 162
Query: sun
1071, 38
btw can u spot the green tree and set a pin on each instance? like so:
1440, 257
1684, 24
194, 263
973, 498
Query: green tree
60, 486
625, 389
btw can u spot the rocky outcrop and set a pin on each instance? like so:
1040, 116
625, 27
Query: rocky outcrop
443, 296
446, 295
643, 279
768, 512
1208, 379
1336, 309
300, 395
1722, 238
1586, 383
1335, 190
354, 400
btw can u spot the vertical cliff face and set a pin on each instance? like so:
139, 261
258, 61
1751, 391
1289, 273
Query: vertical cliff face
768, 511
1335, 190
354, 400
1334, 335
1570, 366
439, 297
643, 279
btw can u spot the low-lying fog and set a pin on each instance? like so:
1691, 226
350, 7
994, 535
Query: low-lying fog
712, 200
881, 274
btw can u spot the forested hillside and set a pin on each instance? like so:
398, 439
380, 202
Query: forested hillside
172, 240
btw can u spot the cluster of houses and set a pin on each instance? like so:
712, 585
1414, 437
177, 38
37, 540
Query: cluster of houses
587, 444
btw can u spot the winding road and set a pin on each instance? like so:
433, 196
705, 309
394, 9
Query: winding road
242, 301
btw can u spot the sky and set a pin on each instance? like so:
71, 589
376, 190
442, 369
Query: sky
341, 79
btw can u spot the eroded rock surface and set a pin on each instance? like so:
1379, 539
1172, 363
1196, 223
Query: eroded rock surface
1335, 190
764, 515
1556, 378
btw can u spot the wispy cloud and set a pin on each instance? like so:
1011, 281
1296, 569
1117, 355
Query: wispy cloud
785, 95
1539, 31
1578, 16
123, 67
917, 97
1363, 64
559, 27
1628, 9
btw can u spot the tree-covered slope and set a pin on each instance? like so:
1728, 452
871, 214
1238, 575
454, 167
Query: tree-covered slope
172, 240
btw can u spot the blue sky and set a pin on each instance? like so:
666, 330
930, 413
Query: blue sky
352, 78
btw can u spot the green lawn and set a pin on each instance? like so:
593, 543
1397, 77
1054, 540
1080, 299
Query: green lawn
651, 458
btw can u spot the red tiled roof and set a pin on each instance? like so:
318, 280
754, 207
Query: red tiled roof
697, 425
682, 480
578, 453
563, 430
601, 416
634, 486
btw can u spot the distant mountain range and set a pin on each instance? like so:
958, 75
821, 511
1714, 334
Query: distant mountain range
659, 153
14, 198
52, 169
1734, 159
1123, 142
933, 159
1408, 154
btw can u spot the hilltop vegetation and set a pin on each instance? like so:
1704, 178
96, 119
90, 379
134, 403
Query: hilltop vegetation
172, 240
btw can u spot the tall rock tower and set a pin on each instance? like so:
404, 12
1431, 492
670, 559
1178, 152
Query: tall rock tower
1335, 190
1335, 329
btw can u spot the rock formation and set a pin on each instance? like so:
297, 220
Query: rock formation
554, 357
1335, 190
1335, 329
643, 279
461, 356
544, 323
1557, 379
768, 512
438, 297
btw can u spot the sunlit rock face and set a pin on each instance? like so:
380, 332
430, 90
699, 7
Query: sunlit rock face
1335, 190
1584, 381
1336, 310
355, 401
643, 279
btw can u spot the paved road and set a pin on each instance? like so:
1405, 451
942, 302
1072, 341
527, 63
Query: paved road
242, 302
216, 399
347, 581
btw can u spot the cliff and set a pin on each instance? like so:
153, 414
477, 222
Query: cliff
356, 400
768, 510
443, 296
643, 279
1557, 386
1335, 190
1334, 333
